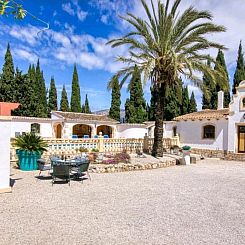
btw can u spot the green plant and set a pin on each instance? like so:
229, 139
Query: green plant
83, 149
30, 142
186, 148
95, 150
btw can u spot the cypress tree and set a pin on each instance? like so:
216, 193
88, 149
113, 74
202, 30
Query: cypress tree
185, 101
52, 99
192, 103
25, 94
152, 108
240, 70
172, 108
75, 93
64, 104
8, 84
206, 100
86, 105
137, 101
221, 67
115, 100
42, 107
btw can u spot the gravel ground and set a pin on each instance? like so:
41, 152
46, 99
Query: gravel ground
197, 204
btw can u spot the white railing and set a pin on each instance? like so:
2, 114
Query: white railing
72, 147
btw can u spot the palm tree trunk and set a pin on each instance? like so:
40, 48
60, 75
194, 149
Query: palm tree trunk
157, 149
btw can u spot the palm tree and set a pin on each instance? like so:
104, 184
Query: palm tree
164, 46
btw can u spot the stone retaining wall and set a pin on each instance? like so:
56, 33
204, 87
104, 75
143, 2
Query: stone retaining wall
230, 156
112, 168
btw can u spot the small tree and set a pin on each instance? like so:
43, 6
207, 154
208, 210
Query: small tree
137, 101
192, 104
52, 100
64, 104
115, 100
220, 66
240, 70
75, 93
86, 105
185, 101
8, 84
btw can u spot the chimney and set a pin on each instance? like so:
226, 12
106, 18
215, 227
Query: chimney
220, 100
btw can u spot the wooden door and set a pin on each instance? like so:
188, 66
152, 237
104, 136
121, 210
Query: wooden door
241, 139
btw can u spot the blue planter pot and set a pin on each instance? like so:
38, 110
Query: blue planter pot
28, 159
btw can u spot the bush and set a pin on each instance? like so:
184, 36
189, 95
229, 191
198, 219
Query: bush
83, 149
186, 148
30, 142
95, 150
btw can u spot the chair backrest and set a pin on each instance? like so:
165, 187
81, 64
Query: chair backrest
61, 170
84, 167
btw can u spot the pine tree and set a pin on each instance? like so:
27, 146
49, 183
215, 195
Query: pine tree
86, 105
137, 101
209, 90
152, 108
221, 67
8, 84
25, 94
185, 101
115, 100
75, 93
40, 88
64, 104
192, 103
240, 70
52, 99
173, 100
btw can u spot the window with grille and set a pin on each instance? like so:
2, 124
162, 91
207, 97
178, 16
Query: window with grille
209, 132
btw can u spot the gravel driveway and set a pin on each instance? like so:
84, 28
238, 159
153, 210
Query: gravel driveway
197, 204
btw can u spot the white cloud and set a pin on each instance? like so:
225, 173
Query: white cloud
68, 8
25, 55
27, 34
75, 10
81, 15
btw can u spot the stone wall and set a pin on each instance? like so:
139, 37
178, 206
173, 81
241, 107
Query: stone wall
230, 156
112, 168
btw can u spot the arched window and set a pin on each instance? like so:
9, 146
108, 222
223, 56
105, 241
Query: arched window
209, 132
35, 128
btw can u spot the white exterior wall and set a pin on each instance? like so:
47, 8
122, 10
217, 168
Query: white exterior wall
46, 129
191, 133
5, 129
168, 129
236, 118
131, 131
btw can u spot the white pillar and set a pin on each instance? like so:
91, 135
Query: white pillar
5, 129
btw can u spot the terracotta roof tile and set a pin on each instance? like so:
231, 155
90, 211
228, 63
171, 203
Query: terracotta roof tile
205, 114
84, 116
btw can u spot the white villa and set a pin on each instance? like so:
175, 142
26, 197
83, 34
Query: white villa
221, 130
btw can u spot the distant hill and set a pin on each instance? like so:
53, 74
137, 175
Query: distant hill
106, 112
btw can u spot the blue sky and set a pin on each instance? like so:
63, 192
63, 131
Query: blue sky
78, 33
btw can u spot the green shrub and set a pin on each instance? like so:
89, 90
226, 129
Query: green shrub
83, 149
186, 148
30, 142
95, 150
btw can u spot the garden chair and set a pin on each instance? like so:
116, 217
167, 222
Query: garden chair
80, 170
61, 171
43, 166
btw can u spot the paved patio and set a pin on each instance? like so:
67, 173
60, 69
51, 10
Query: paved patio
197, 204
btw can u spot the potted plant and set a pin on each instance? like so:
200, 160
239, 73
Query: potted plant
186, 154
29, 149
83, 151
